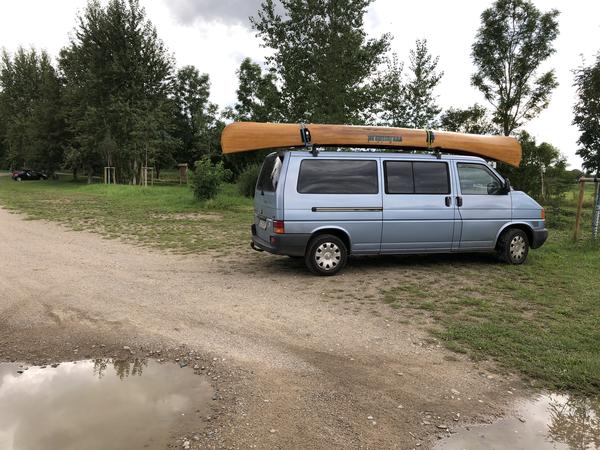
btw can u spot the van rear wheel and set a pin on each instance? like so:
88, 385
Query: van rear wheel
326, 255
513, 246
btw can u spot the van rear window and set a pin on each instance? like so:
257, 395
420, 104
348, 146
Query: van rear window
336, 176
269, 174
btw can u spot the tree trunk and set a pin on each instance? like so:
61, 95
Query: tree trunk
90, 174
75, 174
135, 172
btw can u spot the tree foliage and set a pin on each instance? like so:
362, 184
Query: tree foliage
587, 115
514, 39
391, 110
540, 163
421, 105
118, 77
324, 61
473, 119
258, 98
196, 117
410, 100
32, 129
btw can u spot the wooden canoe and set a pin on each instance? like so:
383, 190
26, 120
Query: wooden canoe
248, 136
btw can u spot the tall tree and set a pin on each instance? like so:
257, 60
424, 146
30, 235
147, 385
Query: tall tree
420, 101
392, 110
587, 115
322, 56
195, 114
258, 98
514, 39
30, 109
118, 79
473, 119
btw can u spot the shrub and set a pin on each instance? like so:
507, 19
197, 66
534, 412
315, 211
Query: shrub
247, 181
207, 178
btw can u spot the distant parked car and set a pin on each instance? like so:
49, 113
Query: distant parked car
26, 175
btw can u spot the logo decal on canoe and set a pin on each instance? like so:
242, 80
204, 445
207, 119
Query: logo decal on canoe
385, 139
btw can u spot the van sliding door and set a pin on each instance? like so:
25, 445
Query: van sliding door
419, 211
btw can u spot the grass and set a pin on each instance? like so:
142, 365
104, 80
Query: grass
542, 318
160, 216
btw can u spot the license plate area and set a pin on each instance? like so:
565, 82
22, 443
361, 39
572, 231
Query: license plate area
262, 224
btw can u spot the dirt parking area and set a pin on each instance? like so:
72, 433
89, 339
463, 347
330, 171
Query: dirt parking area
298, 361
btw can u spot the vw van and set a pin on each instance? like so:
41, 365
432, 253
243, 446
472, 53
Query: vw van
327, 206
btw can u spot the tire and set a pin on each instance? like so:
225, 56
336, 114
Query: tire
513, 246
326, 255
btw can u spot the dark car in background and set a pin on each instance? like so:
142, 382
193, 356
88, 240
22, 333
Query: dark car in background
26, 175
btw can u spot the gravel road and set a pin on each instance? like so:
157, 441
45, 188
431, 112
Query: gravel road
314, 366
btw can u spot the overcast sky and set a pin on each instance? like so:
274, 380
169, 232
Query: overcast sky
214, 35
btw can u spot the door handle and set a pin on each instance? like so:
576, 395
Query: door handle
459, 201
448, 201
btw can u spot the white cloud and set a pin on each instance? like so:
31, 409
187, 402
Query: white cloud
226, 11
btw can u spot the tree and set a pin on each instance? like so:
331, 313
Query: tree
390, 84
540, 163
473, 119
258, 98
420, 102
514, 39
324, 62
587, 115
118, 79
30, 111
195, 114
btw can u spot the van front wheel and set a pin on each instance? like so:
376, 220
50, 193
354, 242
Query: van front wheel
326, 255
513, 246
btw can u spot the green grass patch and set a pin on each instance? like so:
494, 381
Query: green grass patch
542, 318
159, 216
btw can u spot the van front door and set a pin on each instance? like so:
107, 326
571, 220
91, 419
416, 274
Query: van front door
483, 205
419, 210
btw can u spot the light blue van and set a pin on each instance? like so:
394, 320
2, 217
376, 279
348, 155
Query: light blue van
335, 204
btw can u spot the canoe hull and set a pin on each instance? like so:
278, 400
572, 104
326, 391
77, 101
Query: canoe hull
249, 136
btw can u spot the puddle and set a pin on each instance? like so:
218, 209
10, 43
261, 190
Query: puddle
97, 404
553, 422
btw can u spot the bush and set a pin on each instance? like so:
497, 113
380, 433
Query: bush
247, 181
207, 178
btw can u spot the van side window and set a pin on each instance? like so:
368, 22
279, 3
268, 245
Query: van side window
477, 179
336, 176
405, 177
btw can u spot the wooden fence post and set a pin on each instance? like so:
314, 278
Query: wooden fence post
579, 208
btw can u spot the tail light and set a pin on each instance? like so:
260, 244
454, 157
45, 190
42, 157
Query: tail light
278, 227
543, 215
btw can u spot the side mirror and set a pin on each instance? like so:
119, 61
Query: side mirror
507, 186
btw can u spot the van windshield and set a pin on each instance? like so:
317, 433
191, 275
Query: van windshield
269, 174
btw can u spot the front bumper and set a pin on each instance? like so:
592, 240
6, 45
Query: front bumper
281, 244
539, 237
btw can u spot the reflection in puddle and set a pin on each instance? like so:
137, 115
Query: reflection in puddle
96, 404
546, 422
